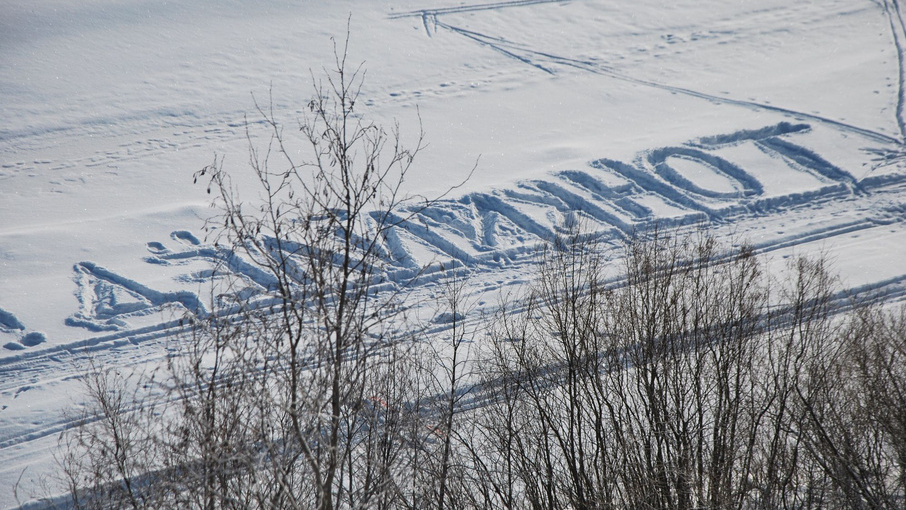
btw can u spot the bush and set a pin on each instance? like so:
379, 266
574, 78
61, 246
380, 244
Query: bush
303, 393
693, 380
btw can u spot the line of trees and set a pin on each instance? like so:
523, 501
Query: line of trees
699, 381
692, 378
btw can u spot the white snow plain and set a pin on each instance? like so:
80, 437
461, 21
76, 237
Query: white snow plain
771, 121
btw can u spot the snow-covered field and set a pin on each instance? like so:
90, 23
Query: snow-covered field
767, 120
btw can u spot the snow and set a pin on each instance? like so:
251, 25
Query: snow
753, 117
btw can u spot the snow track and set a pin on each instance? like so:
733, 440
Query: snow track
472, 8
543, 61
494, 235
497, 231
898, 33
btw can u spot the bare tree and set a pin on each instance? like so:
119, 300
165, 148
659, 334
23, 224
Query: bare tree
298, 390
111, 429
853, 424
448, 366
691, 379
319, 234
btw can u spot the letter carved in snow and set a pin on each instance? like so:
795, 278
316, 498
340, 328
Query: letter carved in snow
726, 178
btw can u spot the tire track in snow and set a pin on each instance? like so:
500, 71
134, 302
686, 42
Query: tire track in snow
898, 31
471, 8
901, 96
531, 57
109, 300
22, 373
498, 47
493, 208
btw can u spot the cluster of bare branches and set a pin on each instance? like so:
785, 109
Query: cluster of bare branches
690, 378
301, 389
694, 380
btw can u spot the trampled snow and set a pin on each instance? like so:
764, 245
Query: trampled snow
766, 121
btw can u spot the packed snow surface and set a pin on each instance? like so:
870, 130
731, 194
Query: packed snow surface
776, 122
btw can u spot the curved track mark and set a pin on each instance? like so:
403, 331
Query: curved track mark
471, 8
896, 30
530, 57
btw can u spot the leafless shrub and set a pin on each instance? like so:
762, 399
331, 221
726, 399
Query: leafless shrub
301, 389
692, 380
